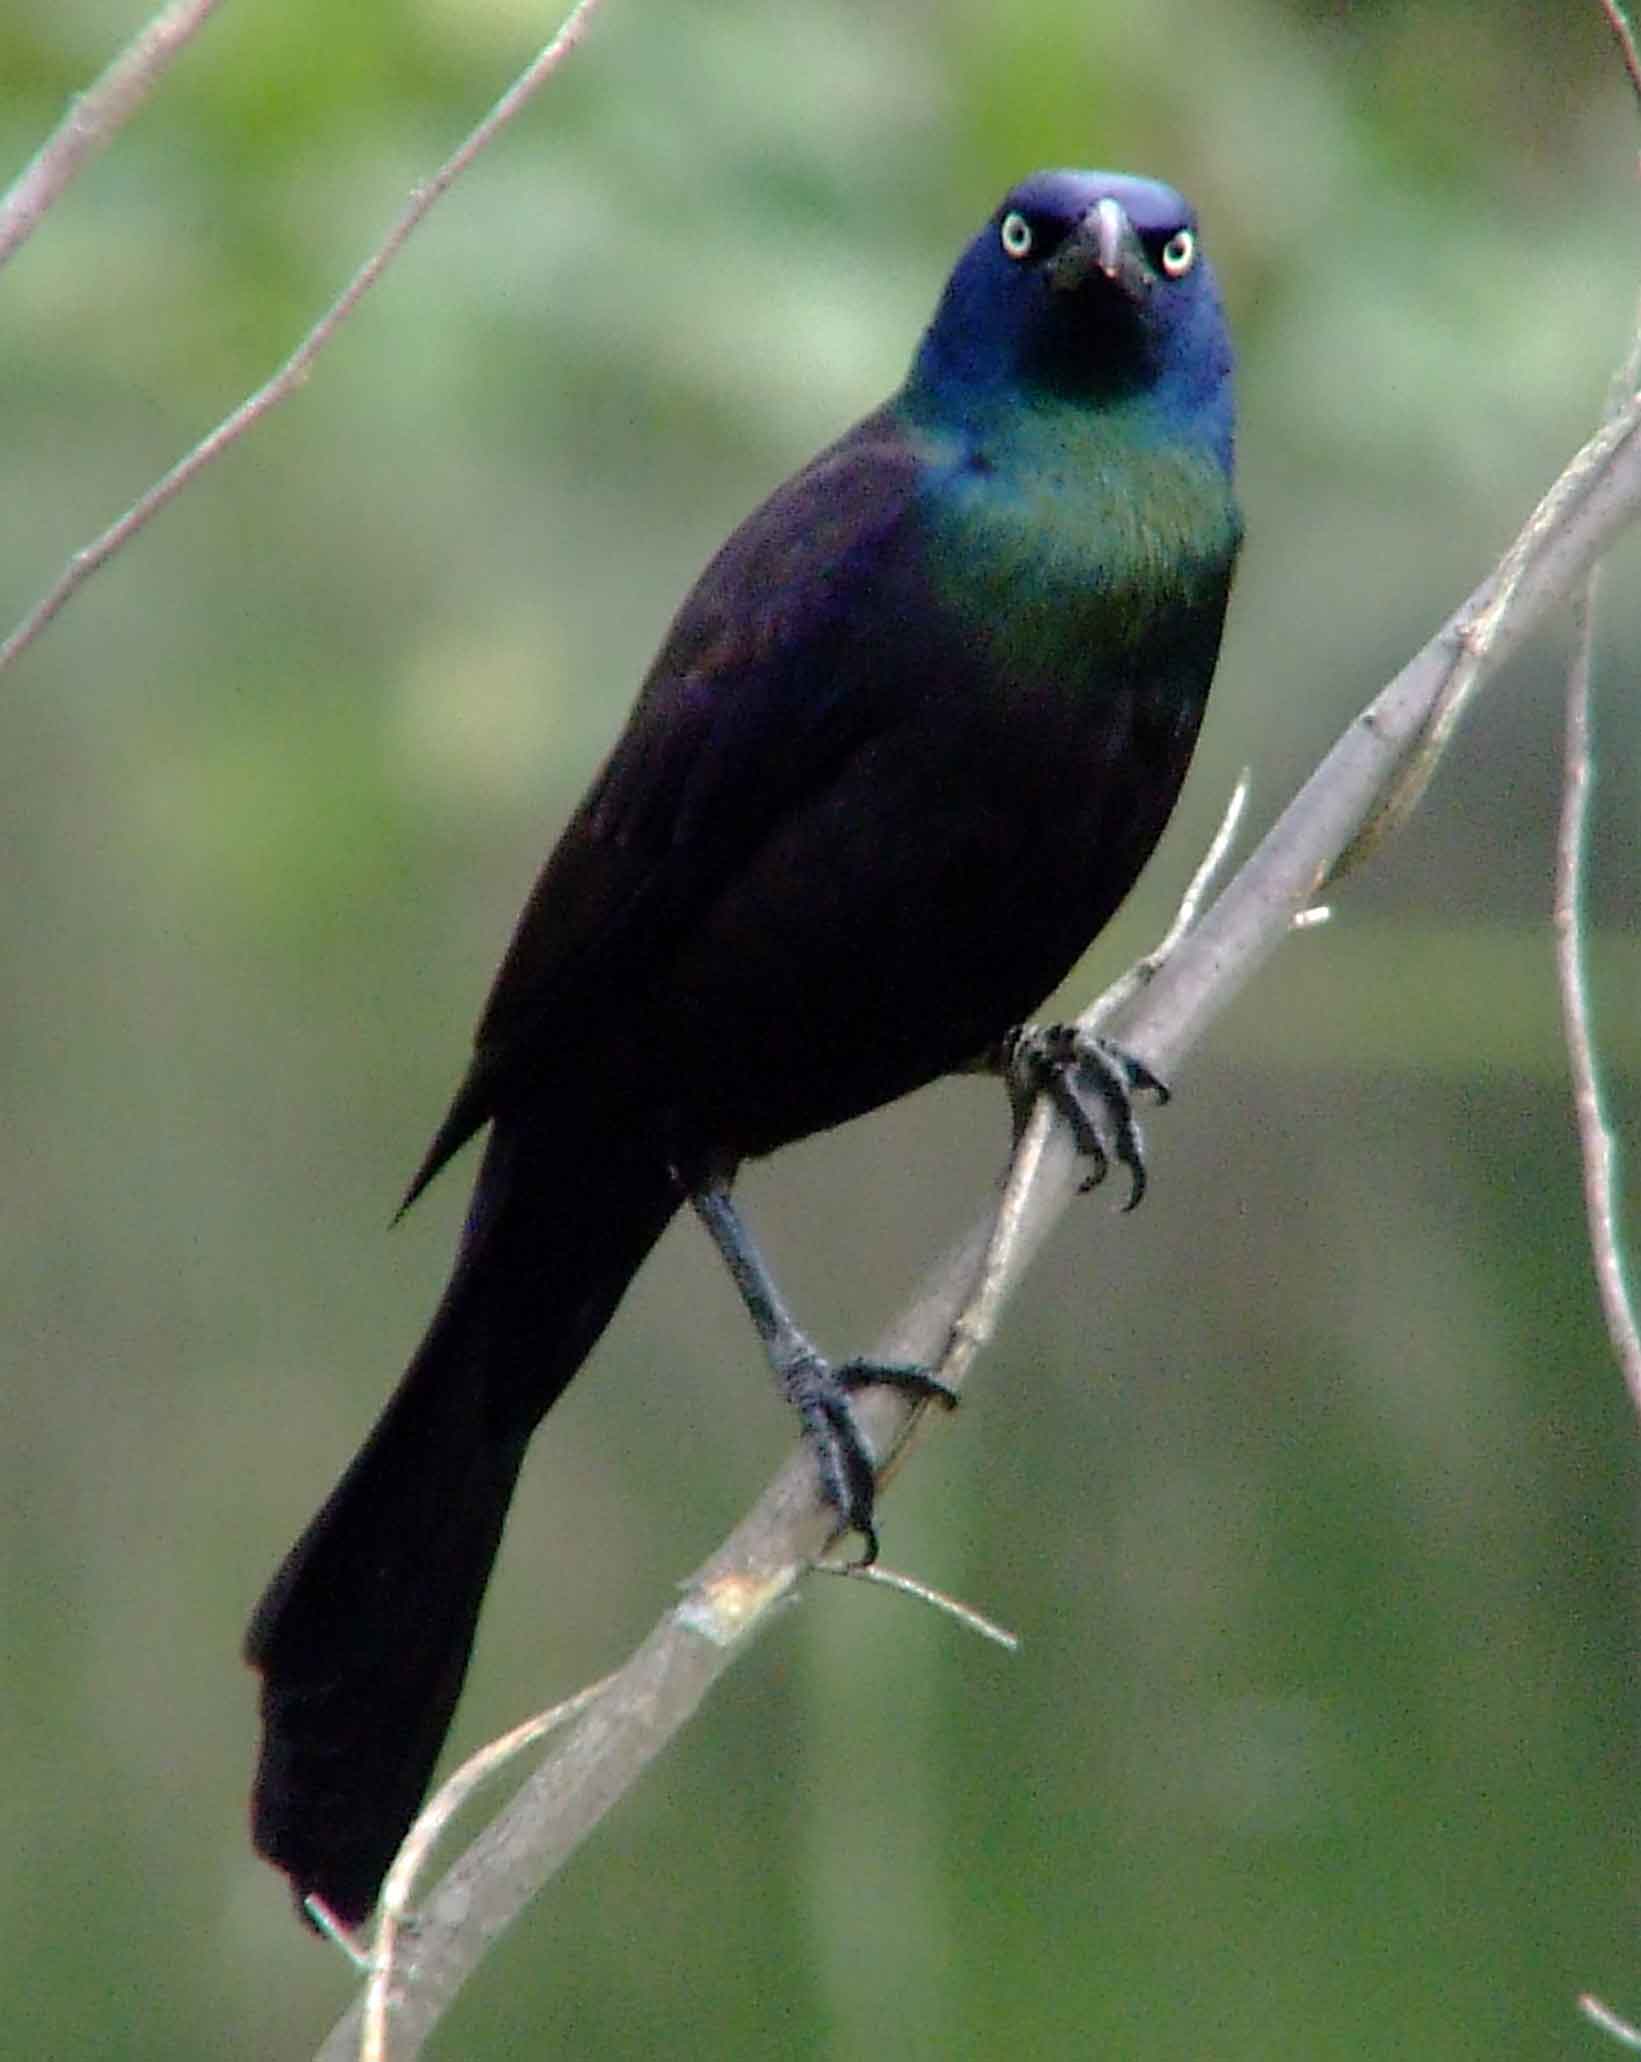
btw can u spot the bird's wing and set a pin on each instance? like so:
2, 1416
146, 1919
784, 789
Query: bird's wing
765, 685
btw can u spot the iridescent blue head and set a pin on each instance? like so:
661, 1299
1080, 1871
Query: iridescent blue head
1091, 287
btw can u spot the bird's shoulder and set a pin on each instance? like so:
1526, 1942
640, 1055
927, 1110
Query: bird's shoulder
779, 579
764, 675
756, 694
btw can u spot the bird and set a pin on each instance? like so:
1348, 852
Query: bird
905, 748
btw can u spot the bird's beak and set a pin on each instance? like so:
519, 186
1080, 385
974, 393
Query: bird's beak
1103, 241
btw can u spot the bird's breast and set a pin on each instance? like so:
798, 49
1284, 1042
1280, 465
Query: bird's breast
1081, 557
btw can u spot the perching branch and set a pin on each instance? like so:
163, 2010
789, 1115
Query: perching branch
648, 1700
96, 117
296, 368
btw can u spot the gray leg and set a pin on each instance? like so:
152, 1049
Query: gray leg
817, 1391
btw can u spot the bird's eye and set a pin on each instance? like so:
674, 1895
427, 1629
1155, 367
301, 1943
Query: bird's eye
1179, 253
1016, 234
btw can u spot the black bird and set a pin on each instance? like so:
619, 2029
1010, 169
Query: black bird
904, 750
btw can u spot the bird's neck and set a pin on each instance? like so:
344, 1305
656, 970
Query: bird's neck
1121, 504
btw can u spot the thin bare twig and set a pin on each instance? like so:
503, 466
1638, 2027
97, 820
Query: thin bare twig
735, 1595
95, 117
1618, 22
296, 368
1608, 2020
1595, 1138
1145, 969
418, 1845
1477, 629
1597, 1151
341, 1937
923, 1593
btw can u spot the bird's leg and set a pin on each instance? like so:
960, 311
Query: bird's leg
1093, 1084
819, 1392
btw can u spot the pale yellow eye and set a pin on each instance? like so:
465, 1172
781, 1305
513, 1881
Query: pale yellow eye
1179, 253
1016, 234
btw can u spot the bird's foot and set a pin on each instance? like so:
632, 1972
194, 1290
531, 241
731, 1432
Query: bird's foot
821, 1393
1093, 1084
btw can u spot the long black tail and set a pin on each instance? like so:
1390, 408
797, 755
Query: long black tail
364, 1634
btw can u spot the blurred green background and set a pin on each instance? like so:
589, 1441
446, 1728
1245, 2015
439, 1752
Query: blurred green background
1310, 1490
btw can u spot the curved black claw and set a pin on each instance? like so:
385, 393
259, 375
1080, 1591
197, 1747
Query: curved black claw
843, 1458
843, 1455
818, 1392
1093, 1083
